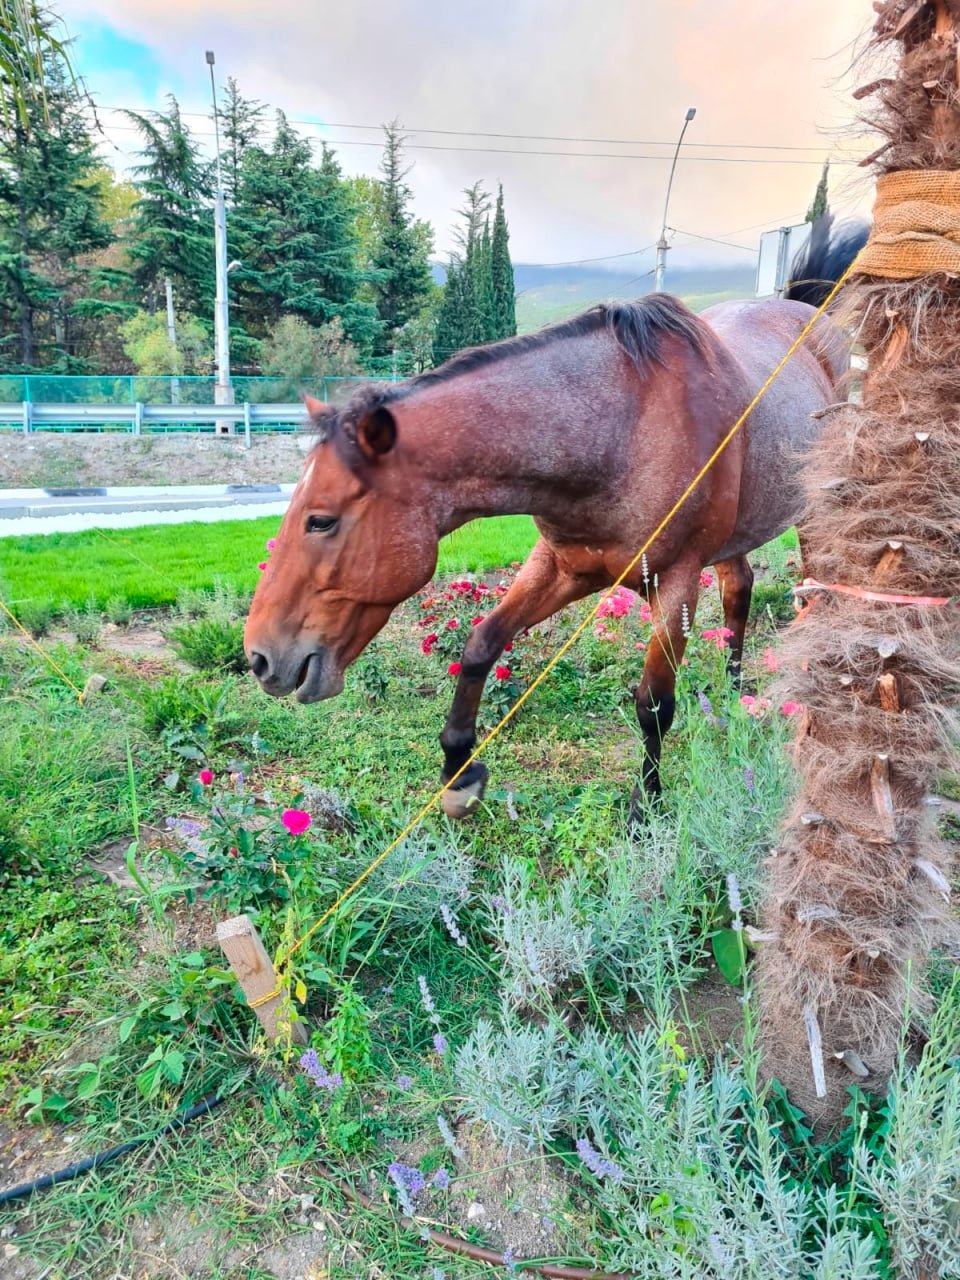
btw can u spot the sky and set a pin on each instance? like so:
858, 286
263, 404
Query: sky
770, 81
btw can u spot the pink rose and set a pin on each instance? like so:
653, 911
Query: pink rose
296, 821
206, 777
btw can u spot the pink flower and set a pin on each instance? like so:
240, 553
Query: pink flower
706, 579
453, 669
719, 636
206, 777
646, 613
600, 629
296, 821
618, 604
271, 544
502, 673
754, 706
792, 708
427, 643
453, 624
262, 565
770, 660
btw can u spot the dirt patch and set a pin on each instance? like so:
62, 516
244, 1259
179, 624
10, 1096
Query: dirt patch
41, 460
514, 1198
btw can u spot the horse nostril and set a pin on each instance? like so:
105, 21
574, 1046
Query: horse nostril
259, 664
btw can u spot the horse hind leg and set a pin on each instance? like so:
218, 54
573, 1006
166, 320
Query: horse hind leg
654, 696
735, 579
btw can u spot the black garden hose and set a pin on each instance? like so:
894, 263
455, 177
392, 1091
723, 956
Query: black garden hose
72, 1171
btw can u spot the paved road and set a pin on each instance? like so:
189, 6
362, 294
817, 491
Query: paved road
68, 510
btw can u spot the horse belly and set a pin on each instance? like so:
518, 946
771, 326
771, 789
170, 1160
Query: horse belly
778, 433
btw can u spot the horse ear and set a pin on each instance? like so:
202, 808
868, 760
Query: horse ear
376, 433
315, 408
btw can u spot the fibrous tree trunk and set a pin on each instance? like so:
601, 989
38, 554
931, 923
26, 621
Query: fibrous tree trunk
859, 888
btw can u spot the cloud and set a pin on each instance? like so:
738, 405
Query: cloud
758, 73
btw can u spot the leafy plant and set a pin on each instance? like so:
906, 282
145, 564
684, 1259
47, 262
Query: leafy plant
210, 644
119, 610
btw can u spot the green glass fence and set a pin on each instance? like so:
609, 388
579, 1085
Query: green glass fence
125, 389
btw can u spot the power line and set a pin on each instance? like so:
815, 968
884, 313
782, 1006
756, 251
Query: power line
713, 240
518, 151
533, 137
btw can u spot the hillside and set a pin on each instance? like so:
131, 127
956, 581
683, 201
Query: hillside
548, 294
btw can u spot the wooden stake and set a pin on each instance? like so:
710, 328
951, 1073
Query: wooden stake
882, 797
889, 692
248, 958
816, 1050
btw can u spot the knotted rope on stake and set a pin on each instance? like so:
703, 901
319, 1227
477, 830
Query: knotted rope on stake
916, 226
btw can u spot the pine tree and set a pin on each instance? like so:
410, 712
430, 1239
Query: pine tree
820, 204
50, 215
294, 233
504, 295
465, 315
173, 231
241, 121
400, 261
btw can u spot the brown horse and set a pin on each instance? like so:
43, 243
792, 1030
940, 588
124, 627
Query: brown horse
594, 427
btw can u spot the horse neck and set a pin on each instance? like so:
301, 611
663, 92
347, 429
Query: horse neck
503, 440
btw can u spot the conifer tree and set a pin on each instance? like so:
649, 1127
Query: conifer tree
241, 120
400, 262
820, 203
504, 295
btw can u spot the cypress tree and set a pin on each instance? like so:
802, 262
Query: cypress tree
486, 311
50, 214
820, 203
173, 229
400, 266
504, 295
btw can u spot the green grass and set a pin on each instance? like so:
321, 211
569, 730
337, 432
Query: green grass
117, 1012
150, 566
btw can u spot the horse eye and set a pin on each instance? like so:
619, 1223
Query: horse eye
322, 524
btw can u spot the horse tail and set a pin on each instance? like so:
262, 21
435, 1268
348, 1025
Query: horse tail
821, 262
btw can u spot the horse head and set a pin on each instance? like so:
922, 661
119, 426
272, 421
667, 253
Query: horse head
356, 540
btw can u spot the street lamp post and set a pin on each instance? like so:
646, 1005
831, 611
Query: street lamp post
662, 245
223, 392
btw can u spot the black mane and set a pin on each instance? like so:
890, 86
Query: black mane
637, 327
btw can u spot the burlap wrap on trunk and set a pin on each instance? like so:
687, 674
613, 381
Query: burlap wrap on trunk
916, 225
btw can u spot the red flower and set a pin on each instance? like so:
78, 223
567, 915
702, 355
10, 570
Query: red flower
206, 777
453, 624
296, 821
476, 622
453, 669
262, 565
427, 643
502, 673
508, 647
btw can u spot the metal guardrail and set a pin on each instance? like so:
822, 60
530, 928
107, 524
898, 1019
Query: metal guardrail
28, 416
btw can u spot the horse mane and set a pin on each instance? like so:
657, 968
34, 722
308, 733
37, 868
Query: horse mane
637, 327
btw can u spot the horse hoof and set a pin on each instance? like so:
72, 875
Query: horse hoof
461, 802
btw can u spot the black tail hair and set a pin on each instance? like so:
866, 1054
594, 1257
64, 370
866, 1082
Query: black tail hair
824, 258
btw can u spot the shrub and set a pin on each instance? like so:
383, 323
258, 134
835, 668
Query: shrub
85, 623
36, 616
119, 611
172, 703
210, 645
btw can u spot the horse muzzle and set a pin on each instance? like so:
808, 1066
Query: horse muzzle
311, 674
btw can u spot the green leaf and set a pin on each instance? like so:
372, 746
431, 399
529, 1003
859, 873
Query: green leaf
172, 1065
730, 955
126, 1026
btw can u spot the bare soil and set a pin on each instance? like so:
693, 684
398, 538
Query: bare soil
51, 458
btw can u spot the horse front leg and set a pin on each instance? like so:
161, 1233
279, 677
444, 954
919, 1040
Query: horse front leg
654, 696
539, 590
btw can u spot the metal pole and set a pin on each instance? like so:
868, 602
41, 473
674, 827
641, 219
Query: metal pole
662, 245
223, 391
172, 336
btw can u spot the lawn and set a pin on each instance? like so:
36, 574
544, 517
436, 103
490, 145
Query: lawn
149, 566
520, 1029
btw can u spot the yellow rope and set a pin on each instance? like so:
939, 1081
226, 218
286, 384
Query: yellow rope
42, 652
565, 647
